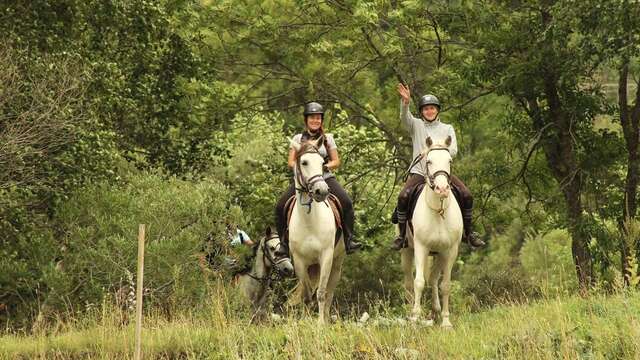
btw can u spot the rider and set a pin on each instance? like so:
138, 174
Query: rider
313, 118
420, 129
237, 236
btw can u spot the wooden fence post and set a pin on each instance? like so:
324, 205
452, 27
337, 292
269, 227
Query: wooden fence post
139, 290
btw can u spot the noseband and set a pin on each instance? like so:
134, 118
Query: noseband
266, 256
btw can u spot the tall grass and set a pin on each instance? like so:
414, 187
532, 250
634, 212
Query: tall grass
596, 327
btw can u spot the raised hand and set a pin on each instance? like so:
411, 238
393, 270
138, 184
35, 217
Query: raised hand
405, 93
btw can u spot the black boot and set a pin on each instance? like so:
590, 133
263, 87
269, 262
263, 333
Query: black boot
400, 241
470, 237
351, 245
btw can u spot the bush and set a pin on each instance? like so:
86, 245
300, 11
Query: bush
547, 262
95, 255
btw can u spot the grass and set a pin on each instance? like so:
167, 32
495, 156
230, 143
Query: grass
598, 327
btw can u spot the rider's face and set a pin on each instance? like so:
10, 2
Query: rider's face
430, 112
314, 122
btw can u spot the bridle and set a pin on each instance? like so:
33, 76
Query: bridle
273, 262
304, 183
431, 178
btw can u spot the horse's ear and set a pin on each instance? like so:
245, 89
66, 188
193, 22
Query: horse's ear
267, 232
319, 142
429, 141
448, 141
295, 144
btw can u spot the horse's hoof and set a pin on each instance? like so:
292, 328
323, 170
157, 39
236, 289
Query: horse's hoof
428, 322
446, 325
414, 318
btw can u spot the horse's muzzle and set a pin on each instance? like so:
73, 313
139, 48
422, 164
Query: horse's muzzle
320, 191
443, 191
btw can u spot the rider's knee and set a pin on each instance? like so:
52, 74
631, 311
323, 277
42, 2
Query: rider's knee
403, 198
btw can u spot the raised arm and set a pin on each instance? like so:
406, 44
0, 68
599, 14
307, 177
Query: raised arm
453, 148
405, 99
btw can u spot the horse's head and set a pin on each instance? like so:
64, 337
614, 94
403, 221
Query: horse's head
438, 164
308, 170
275, 259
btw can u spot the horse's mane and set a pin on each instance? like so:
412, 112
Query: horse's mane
305, 146
438, 146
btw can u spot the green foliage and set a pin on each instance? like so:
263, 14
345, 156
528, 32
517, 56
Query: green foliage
547, 262
209, 91
94, 254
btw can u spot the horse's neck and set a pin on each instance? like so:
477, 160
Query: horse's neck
306, 214
259, 268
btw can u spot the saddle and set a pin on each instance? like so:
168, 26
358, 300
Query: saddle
333, 203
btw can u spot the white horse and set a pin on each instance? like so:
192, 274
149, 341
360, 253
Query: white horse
254, 284
437, 230
312, 232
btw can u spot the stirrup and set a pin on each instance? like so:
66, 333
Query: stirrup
353, 247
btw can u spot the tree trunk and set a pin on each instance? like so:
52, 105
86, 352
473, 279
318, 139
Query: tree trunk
630, 121
561, 158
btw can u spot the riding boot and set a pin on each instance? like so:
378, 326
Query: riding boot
281, 227
470, 237
347, 227
400, 241
350, 245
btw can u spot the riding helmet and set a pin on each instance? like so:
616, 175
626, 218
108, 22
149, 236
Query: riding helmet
429, 100
313, 108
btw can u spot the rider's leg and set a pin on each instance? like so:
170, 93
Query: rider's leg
466, 206
281, 219
403, 207
347, 212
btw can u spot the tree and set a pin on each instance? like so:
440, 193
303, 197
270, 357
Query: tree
530, 52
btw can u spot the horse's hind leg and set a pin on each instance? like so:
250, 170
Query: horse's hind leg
406, 257
326, 261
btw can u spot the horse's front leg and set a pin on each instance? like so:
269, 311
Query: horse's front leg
420, 253
326, 260
434, 277
334, 277
445, 288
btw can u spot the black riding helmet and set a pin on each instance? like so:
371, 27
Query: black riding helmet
429, 100
313, 108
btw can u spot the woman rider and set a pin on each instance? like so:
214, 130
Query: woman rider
420, 129
313, 117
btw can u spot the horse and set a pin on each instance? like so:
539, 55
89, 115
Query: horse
437, 230
317, 258
254, 284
